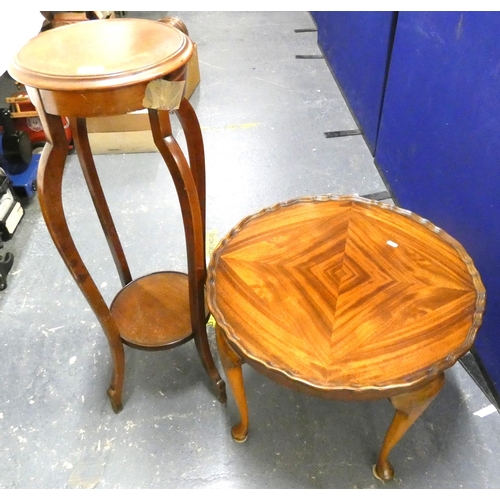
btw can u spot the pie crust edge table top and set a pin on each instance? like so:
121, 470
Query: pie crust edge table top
301, 311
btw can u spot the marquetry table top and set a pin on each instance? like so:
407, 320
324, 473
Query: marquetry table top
345, 294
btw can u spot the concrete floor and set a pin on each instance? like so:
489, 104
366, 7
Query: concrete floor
263, 113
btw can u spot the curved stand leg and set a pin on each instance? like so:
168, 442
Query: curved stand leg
49, 180
194, 141
409, 407
203, 349
193, 219
81, 139
231, 363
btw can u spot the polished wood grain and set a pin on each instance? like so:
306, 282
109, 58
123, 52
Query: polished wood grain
104, 54
100, 68
105, 75
189, 182
154, 311
49, 185
82, 146
328, 295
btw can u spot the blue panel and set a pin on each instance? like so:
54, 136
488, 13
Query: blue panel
439, 140
357, 47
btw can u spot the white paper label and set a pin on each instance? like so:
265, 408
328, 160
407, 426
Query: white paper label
164, 95
488, 410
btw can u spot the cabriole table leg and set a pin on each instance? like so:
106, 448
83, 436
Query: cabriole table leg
231, 363
409, 406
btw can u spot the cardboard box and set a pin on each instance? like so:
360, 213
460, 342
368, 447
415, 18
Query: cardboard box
193, 73
55, 19
131, 133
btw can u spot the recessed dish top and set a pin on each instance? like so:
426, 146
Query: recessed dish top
101, 54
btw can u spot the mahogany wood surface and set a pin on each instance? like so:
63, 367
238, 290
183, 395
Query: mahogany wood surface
231, 363
101, 54
100, 68
343, 297
153, 311
82, 146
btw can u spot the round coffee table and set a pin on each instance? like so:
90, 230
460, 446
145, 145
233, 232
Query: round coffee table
343, 297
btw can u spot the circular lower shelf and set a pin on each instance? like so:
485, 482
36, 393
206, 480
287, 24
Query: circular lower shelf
153, 311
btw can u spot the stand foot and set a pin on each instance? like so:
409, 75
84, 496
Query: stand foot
239, 433
115, 399
220, 388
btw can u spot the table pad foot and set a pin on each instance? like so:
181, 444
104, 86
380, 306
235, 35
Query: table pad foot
386, 471
238, 434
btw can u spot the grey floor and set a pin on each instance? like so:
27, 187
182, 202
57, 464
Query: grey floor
264, 113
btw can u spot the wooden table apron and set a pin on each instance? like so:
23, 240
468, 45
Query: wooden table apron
102, 68
237, 274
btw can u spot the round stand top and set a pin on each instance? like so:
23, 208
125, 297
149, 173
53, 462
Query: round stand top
345, 296
104, 54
